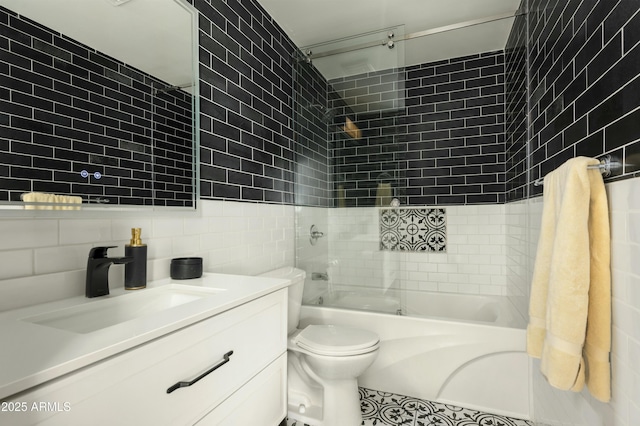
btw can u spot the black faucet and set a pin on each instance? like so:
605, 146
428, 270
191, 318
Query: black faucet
98, 271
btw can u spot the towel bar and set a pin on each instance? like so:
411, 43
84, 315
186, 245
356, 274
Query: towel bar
606, 166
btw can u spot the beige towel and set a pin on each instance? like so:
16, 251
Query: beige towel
44, 201
570, 305
352, 129
383, 195
341, 196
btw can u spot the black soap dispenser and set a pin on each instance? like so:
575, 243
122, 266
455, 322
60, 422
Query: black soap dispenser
135, 272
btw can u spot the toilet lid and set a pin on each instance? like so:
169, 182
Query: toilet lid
337, 340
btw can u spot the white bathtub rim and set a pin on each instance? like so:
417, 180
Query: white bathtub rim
508, 315
442, 320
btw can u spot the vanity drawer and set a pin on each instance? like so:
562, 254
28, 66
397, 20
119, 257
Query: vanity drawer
261, 402
131, 387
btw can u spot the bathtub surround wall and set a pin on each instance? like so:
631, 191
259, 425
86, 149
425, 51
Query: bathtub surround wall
435, 133
552, 406
312, 123
313, 256
516, 84
68, 108
521, 244
624, 409
474, 263
413, 229
583, 100
584, 85
438, 142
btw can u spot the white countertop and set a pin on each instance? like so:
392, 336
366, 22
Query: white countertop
32, 354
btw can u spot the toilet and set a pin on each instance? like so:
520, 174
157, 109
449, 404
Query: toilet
324, 362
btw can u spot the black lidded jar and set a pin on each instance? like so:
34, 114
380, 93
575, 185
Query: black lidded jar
135, 272
186, 268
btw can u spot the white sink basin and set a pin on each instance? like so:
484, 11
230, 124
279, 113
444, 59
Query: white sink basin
99, 314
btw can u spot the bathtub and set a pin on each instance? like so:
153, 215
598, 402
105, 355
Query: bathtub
493, 310
463, 350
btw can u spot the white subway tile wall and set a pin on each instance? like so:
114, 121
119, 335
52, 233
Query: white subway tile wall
519, 252
27, 234
246, 238
555, 407
475, 261
313, 257
45, 259
491, 251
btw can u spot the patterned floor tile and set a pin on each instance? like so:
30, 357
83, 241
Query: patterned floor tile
388, 409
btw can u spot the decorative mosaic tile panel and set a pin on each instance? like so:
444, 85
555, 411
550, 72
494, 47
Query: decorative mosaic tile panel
413, 229
388, 409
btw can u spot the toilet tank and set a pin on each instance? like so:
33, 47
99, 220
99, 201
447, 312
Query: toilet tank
296, 288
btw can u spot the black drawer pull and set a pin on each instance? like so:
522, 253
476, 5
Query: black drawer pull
194, 381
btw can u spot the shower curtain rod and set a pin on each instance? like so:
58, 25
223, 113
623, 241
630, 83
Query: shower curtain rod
309, 54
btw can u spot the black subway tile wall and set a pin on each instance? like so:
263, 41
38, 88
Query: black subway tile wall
584, 88
246, 104
67, 108
516, 110
441, 143
370, 169
460, 135
455, 135
312, 120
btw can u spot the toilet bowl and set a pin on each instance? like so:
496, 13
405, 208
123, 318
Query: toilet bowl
324, 362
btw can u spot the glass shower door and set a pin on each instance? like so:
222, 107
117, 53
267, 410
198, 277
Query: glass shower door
346, 92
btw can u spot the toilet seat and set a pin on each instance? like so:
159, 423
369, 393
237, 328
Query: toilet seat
332, 340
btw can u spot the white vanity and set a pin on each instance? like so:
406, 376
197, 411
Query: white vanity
210, 351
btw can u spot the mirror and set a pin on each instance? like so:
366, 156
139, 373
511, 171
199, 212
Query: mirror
98, 103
